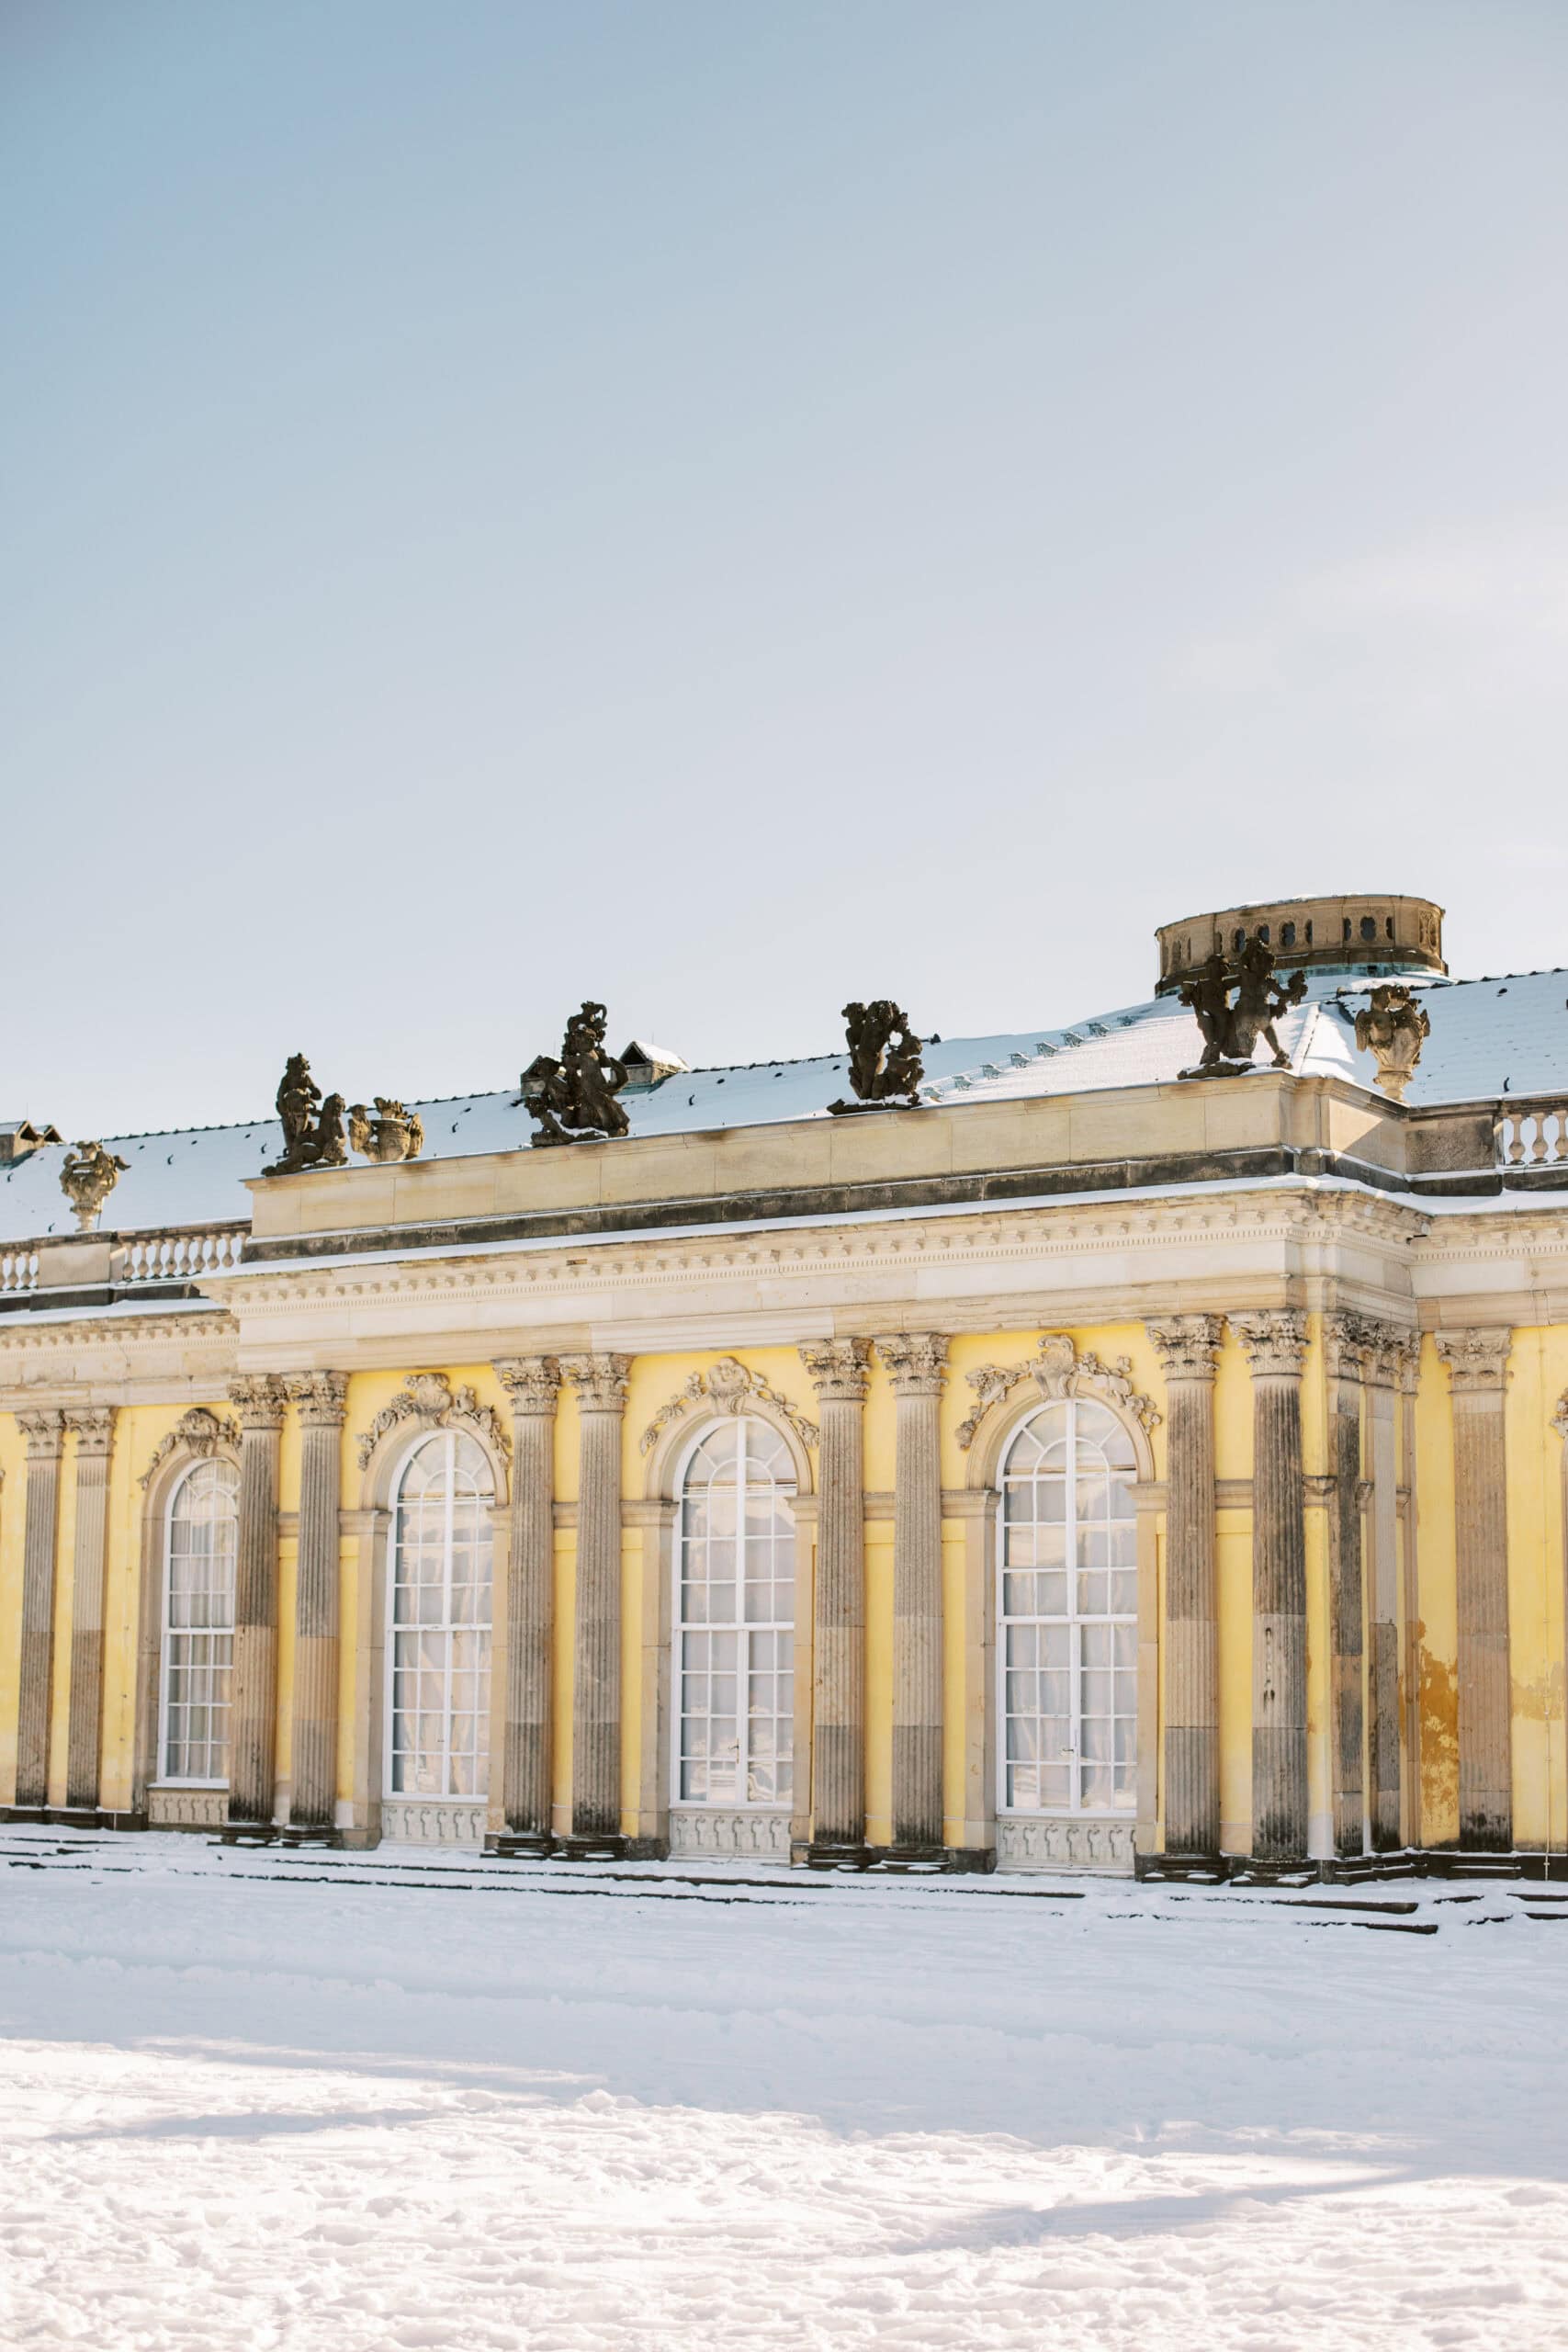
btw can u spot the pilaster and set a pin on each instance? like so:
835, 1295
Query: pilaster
1187, 1346
93, 1427
1387, 1353
45, 1434
320, 1398
915, 1363
839, 1370
1344, 1346
1275, 1343
533, 1385
600, 1382
1477, 1363
252, 1720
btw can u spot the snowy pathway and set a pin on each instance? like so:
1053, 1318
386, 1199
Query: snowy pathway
423, 2105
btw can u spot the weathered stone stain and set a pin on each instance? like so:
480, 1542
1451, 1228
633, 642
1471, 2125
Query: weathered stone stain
1440, 1748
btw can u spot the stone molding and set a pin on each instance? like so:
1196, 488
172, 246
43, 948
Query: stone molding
429, 1399
258, 1397
321, 1398
600, 1382
1026, 1843
434, 1821
840, 1369
45, 1434
728, 1386
1477, 1360
1275, 1342
532, 1383
916, 1361
750, 1832
188, 1808
93, 1427
1057, 1371
200, 1431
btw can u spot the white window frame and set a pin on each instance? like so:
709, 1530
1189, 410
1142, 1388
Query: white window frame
389, 1645
743, 1803
1075, 1810
165, 1779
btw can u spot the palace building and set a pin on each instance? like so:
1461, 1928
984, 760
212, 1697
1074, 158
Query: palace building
1135, 1445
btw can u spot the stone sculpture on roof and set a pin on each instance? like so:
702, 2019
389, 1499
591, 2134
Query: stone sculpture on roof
392, 1135
1231, 1026
311, 1138
885, 1056
1394, 1028
89, 1175
573, 1100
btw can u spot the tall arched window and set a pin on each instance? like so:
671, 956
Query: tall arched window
734, 1615
198, 1624
1067, 1602
438, 1718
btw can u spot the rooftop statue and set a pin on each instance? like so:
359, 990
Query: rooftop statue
311, 1138
1231, 1027
881, 1071
392, 1135
573, 1100
1394, 1028
89, 1176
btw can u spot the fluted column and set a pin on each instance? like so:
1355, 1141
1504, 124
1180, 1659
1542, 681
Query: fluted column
94, 1429
1275, 1342
319, 1398
1187, 1345
601, 1386
1409, 1533
916, 1361
533, 1383
45, 1433
839, 1369
1386, 1348
1477, 1363
253, 1718
1343, 1348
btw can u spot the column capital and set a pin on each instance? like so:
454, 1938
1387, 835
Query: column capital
1477, 1359
916, 1361
1187, 1345
1389, 1353
45, 1434
533, 1383
1346, 1345
840, 1369
258, 1398
321, 1398
600, 1382
94, 1429
1275, 1342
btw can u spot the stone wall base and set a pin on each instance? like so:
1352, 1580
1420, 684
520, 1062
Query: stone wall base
1036, 1843
749, 1832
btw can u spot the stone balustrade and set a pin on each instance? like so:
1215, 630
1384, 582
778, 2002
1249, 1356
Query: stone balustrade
1533, 1137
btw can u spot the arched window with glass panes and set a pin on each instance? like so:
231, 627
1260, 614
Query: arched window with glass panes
197, 1657
735, 1619
1067, 1603
438, 1649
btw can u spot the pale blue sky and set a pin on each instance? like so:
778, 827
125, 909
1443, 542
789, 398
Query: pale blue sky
731, 507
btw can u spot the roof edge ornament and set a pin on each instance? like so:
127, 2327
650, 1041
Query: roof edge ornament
1231, 1031
1372, 933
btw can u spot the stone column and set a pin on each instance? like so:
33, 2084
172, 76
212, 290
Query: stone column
1187, 1345
252, 1715
45, 1433
916, 1361
1477, 1363
1343, 1341
1380, 1369
1409, 1373
94, 1427
838, 1368
319, 1398
1275, 1343
601, 1386
533, 1383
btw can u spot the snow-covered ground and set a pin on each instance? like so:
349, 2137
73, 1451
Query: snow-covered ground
425, 2104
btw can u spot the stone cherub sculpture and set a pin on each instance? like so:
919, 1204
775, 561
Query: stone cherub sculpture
1230, 1029
392, 1135
311, 1138
89, 1174
885, 1056
1394, 1028
573, 1100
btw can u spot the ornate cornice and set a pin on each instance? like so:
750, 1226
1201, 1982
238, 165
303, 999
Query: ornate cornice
1477, 1359
45, 1434
533, 1383
600, 1382
259, 1399
429, 1397
321, 1397
1187, 1345
916, 1361
94, 1429
1057, 1371
729, 1386
840, 1369
1275, 1342
200, 1431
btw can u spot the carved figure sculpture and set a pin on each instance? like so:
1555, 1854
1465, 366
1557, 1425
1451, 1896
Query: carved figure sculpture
1394, 1028
573, 1100
392, 1135
885, 1055
311, 1138
89, 1176
1230, 1029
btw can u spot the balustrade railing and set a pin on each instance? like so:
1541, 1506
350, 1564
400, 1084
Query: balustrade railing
18, 1269
177, 1257
1537, 1138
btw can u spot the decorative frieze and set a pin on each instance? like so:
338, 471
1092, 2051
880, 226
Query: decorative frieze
429, 1397
729, 1386
431, 1821
1035, 1844
188, 1808
1058, 1370
747, 1833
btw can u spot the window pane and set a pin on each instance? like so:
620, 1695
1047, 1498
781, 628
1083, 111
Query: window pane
737, 1584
